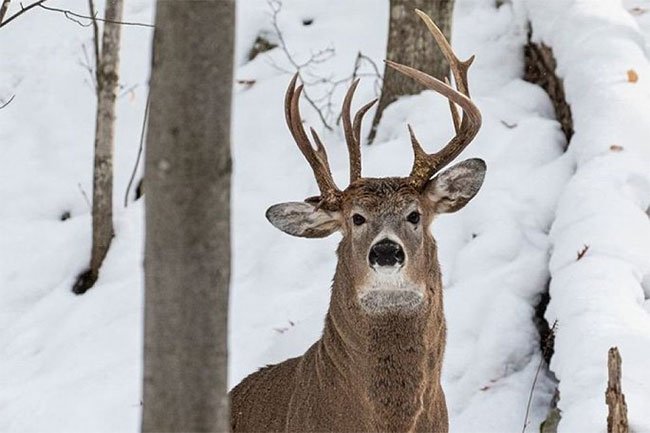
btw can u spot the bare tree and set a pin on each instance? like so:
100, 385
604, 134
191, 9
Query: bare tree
187, 249
409, 43
107, 61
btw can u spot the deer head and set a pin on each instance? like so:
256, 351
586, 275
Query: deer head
387, 249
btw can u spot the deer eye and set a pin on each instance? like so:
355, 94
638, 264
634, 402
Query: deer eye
358, 219
413, 217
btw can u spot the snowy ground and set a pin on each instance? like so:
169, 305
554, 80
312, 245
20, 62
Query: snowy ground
74, 363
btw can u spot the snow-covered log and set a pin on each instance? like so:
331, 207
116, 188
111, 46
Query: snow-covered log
601, 298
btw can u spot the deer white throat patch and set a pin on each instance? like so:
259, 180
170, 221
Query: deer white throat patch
390, 292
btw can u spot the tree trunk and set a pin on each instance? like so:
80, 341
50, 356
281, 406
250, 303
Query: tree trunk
410, 43
107, 81
187, 248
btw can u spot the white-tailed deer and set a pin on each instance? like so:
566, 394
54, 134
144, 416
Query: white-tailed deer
377, 365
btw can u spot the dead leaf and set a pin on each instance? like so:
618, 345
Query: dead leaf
638, 11
616, 148
632, 76
246, 83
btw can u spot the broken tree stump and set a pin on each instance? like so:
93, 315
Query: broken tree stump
617, 417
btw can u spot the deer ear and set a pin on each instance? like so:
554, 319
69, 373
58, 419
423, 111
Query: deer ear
303, 219
452, 189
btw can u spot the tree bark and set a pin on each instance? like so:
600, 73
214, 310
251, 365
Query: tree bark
187, 247
540, 69
108, 64
614, 397
410, 43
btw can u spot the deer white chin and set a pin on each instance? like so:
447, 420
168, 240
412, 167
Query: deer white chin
391, 293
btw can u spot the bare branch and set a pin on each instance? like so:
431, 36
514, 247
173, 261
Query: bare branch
89, 66
93, 13
8, 102
69, 14
86, 199
137, 159
323, 105
550, 338
276, 6
20, 12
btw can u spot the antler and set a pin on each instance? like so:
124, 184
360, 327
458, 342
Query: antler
426, 165
353, 132
330, 198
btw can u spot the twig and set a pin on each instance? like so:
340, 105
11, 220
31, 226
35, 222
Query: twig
547, 345
91, 6
125, 90
137, 160
21, 11
8, 102
276, 6
582, 252
356, 74
90, 206
3, 9
69, 14
323, 104
86, 64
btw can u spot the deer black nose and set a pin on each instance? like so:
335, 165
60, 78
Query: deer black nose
386, 253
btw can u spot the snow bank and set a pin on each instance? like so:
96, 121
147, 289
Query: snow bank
601, 300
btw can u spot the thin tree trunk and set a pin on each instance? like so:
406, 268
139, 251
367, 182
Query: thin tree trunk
107, 82
187, 248
410, 43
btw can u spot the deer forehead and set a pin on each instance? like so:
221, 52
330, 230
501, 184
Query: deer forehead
380, 194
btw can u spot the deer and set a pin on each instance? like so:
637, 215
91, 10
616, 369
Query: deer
377, 366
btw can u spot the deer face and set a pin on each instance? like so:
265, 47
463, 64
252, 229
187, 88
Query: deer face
387, 250
387, 247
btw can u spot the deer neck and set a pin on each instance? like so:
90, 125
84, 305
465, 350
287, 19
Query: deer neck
389, 363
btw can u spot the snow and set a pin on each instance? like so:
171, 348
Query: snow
599, 300
71, 363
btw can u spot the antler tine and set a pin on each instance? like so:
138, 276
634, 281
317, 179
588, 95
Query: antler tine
354, 149
353, 130
425, 165
458, 67
316, 157
455, 117
358, 118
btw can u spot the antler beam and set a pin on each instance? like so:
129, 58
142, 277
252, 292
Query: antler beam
330, 198
426, 165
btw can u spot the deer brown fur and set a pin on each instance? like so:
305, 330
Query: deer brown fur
377, 366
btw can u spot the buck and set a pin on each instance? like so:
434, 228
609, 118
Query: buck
377, 364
